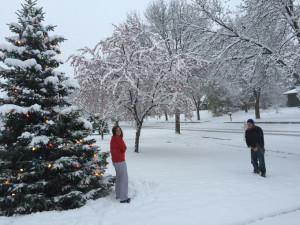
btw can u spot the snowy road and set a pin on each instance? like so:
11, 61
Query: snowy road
271, 129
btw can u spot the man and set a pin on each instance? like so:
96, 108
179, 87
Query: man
255, 141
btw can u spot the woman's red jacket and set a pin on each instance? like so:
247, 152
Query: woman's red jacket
117, 149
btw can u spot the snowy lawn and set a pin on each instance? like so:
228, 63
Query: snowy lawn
197, 177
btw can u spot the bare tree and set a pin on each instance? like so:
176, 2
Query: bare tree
168, 21
140, 74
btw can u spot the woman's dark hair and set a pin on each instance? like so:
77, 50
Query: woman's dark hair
114, 130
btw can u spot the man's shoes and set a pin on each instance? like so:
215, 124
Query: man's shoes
263, 174
256, 171
125, 201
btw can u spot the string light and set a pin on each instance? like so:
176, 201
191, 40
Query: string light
33, 148
97, 167
50, 145
13, 194
12, 56
43, 57
95, 155
32, 11
59, 54
19, 42
77, 142
77, 166
68, 145
80, 140
33, 163
7, 182
91, 145
96, 174
21, 169
87, 161
49, 165
46, 38
47, 121
27, 115
16, 91
10, 111
101, 156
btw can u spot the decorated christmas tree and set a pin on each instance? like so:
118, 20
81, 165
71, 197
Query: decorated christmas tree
47, 161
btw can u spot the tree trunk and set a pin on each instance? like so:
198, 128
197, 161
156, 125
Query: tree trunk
166, 115
257, 97
137, 136
246, 107
177, 122
101, 133
198, 113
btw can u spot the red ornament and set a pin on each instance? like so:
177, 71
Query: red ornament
50, 145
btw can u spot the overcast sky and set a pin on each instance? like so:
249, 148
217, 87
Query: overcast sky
82, 22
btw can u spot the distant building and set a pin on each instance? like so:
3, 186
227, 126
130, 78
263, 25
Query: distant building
293, 101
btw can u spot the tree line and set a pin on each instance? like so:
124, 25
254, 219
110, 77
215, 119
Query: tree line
187, 53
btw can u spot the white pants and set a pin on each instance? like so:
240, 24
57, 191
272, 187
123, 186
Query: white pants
121, 187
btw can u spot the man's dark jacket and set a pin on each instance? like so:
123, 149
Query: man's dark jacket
254, 137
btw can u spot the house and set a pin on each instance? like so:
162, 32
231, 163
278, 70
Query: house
293, 101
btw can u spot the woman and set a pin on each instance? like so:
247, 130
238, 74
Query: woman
117, 150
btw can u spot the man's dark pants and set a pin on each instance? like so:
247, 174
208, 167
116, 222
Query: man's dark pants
256, 157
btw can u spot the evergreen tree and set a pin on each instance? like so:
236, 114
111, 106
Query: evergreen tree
99, 123
46, 163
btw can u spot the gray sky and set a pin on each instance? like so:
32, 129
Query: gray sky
82, 22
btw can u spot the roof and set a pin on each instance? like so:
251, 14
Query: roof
294, 91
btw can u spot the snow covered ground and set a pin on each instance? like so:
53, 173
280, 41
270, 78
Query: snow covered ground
202, 176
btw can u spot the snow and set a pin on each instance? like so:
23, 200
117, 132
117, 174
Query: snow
4, 109
51, 79
86, 124
202, 176
39, 139
26, 135
71, 83
49, 53
68, 110
22, 64
12, 48
16, 25
294, 91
